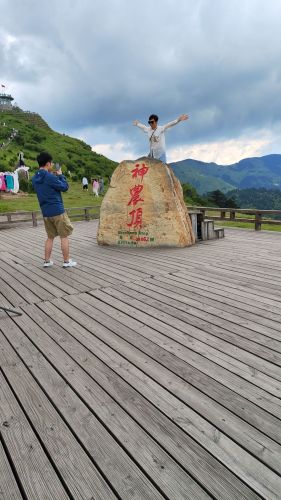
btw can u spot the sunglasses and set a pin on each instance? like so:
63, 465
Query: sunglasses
151, 121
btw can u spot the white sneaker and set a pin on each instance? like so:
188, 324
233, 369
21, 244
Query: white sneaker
48, 263
69, 263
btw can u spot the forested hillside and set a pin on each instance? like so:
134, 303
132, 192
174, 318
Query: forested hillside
263, 172
264, 199
29, 133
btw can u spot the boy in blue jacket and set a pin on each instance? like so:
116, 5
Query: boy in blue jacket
49, 185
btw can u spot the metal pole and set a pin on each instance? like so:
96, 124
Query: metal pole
11, 311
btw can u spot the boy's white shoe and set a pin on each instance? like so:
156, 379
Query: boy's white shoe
48, 263
69, 263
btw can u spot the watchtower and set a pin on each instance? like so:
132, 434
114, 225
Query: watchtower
6, 101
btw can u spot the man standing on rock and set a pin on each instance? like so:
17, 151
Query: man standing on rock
49, 184
156, 135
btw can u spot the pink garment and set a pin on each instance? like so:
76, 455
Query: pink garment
96, 188
3, 186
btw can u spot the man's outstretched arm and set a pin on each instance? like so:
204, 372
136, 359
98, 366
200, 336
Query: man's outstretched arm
141, 125
183, 117
174, 122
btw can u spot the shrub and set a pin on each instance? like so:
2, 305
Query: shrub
25, 185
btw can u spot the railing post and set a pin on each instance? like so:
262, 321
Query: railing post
222, 214
34, 219
258, 221
87, 214
232, 214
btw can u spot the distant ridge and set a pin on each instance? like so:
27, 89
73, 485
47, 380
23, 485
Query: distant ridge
256, 172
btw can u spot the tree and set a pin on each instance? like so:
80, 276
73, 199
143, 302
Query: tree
221, 200
191, 196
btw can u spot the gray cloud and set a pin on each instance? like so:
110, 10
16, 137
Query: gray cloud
102, 64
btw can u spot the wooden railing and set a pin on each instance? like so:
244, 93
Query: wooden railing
92, 212
75, 213
232, 214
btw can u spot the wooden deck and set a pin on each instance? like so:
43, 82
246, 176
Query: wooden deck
141, 374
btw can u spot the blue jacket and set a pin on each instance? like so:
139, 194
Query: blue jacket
48, 188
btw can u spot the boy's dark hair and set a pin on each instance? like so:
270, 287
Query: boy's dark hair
44, 158
153, 117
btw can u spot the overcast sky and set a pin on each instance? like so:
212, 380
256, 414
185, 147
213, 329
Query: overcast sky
91, 67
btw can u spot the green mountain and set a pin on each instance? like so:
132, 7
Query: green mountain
263, 172
29, 133
260, 198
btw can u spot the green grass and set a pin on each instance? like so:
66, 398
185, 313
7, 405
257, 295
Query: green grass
243, 225
74, 197
247, 225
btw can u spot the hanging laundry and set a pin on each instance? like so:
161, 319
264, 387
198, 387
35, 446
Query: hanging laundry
23, 172
3, 186
16, 182
9, 181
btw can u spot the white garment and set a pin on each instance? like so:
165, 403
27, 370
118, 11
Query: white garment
16, 182
85, 181
157, 137
24, 169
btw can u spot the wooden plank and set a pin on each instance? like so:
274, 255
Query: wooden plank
123, 474
238, 291
247, 340
135, 260
262, 279
68, 281
9, 489
41, 276
76, 470
247, 365
215, 295
230, 399
226, 450
257, 286
119, 337
18, 284
4, 302
181, 306
39, 282
173, 481
251, 367
162, 316
186, 355
254, 268
37, 477
262, 334
12, 295
101, 270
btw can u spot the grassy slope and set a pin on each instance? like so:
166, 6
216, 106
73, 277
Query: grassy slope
34, 135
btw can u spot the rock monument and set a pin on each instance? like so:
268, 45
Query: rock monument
144, 207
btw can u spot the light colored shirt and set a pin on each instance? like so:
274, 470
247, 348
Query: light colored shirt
84, 181
157, 137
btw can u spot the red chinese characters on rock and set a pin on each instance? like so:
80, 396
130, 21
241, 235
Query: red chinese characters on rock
136, 214
136, 218
140, 171
135, 192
